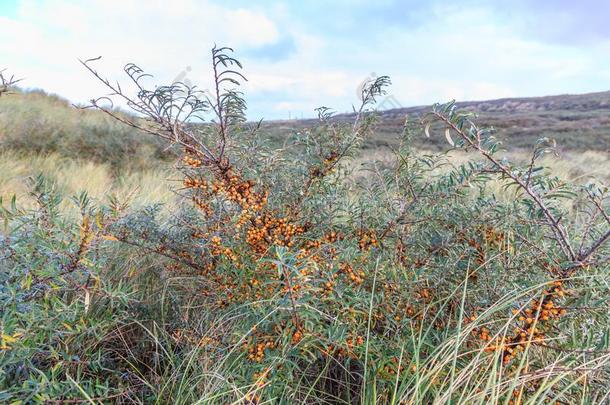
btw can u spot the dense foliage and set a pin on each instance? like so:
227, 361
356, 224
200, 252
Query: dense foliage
286, 277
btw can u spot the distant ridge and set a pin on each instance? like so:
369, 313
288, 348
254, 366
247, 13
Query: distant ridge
576, 102
576, 121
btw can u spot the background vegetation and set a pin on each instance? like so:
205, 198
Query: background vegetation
38, 123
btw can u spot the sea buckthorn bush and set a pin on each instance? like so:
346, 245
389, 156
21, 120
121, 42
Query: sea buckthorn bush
285, 275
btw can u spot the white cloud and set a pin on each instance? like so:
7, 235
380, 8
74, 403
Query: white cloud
469, 52
47, 38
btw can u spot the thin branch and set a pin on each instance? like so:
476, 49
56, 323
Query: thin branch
7, 83
553, 222
218, 109
596, 245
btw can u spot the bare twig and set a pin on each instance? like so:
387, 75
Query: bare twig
7, 83
596, 245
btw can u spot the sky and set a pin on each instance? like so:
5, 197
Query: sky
300, 55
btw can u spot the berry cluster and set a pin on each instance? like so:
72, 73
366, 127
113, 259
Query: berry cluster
192, 161
354, 276
217, 249
531, 329
394, 367
367, 239
268, 230
256, 350
326, 167
493, 237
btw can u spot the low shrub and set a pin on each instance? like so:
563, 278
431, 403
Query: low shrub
283, 278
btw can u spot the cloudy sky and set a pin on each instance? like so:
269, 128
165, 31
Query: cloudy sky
299, 55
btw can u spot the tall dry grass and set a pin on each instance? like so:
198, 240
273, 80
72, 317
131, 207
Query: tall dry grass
141, 187
148, 186
579, 167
